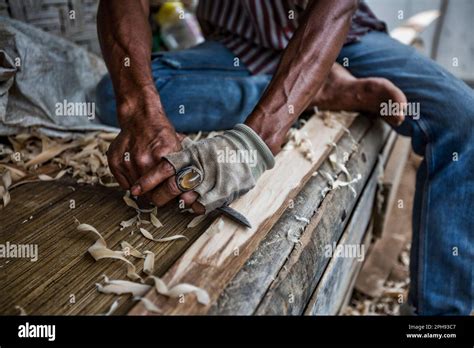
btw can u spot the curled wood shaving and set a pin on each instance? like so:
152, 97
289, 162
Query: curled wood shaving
337, 165
336, 184
99, 250
293, 236
130, 202
120, 287
149, 236
21, 310
128, 223
50, 153
154, 220
196, 221
302, 219
84, 156
113, 308
298, 139
128, 249
44, 177
149, 264
180, 289
149, 306
6, 181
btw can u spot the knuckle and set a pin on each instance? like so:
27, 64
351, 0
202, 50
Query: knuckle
142, 161
156, 199
188, 199
167, 168
145, 182
172, 187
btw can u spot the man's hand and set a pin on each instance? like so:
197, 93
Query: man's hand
147, 135
139, 148
230, 164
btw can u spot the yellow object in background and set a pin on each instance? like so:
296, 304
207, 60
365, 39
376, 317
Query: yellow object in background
169, 13
179, 27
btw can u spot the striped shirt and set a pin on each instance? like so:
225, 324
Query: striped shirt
257, 31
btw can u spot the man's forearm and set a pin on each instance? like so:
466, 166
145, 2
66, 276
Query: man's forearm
125, 38
303, 69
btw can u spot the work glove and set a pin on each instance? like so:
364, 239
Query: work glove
230, 163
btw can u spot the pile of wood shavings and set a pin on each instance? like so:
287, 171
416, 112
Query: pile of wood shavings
389, 302
36, 157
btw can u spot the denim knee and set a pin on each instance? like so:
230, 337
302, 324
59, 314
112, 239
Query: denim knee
105, 98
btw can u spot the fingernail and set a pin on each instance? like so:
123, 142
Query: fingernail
136, 190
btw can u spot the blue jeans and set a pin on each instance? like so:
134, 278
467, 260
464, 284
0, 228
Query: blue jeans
202, 89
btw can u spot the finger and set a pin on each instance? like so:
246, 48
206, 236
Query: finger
167, 191
396, 120
198, 208
153, 178
188, 198
117, 171
121, 178
130, 171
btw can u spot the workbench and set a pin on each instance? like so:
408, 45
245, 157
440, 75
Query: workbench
286, 271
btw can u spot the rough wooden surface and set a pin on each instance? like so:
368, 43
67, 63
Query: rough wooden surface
214, 259
390, 182
385, 251
293, 286
64, 268
330, 293
243, 294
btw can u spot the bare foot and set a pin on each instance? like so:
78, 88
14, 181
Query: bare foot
342, 91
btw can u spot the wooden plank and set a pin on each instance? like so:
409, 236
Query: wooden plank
390, 182
243, 294
385, 251
64, 268
329, 295
367, 244
26, 202
387, 149
214, 259
292, 289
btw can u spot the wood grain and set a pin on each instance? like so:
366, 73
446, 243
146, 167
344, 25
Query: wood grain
64, 268
330, 293
292, 288
243, 294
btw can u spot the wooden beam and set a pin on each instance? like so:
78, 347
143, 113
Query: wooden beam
390, 182
367, 245
330, 293
246, 290
385, 251
216, 257
292, 289
62, 280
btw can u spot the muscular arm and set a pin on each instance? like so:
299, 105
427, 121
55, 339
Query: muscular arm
303, 68
147, 135
125, 39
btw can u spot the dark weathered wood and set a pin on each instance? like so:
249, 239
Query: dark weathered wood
385, 251
390, 182
64, 268
368, 238
247, 288
293, 286
329, 295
